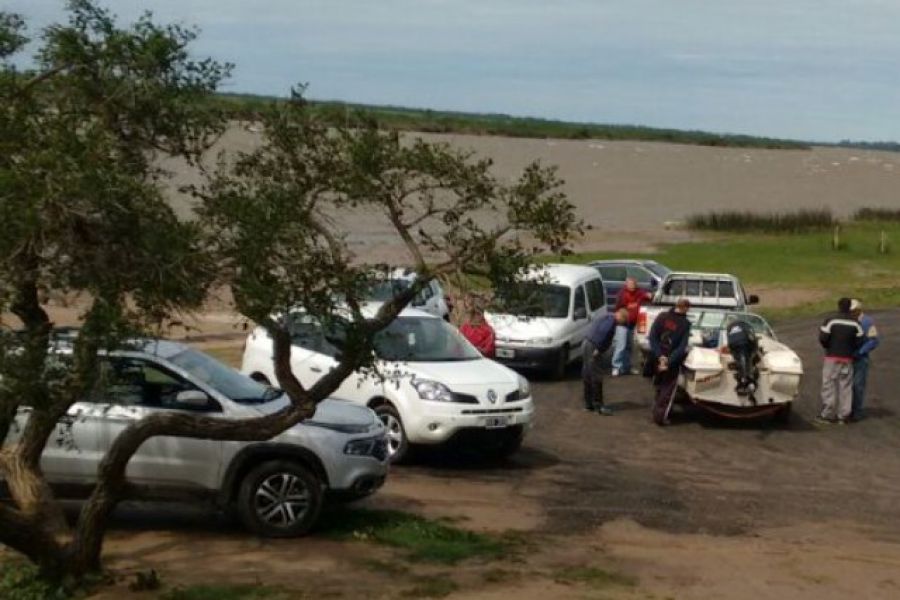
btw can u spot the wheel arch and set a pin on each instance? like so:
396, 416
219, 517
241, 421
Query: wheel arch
253, 456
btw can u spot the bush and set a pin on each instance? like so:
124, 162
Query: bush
787, 222
877, 214
21, 581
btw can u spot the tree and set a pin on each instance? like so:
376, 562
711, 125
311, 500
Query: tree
81, 211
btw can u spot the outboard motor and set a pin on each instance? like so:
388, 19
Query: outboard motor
743, 345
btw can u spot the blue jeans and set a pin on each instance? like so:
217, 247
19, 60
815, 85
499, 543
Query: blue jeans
621, 359
860, 373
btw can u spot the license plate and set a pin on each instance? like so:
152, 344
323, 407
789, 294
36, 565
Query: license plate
505, 353
496, 422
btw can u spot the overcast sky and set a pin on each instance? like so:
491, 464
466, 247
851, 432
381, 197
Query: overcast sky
822, 70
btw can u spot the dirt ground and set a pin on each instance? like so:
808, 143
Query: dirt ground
702, 509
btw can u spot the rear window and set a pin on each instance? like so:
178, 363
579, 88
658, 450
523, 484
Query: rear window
726, 289
640, 274
658, 269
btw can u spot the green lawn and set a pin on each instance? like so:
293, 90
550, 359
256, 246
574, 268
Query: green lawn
797, 261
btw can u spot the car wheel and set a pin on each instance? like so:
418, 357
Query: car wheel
398, 445
562, 363
280, 499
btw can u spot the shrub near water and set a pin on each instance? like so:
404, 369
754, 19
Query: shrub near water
877, 214
746, 221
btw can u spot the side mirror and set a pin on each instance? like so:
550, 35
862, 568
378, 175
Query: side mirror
654, 284
753, 299
193, 399
580, 313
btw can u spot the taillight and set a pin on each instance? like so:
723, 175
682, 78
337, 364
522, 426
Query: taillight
642, 322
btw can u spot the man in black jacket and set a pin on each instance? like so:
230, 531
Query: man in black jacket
840, 336
668, 339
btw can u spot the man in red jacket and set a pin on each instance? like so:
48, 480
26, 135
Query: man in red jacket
479, 332
631, 297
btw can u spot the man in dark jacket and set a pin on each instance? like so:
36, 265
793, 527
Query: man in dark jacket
840, 336
598, 340
668, 339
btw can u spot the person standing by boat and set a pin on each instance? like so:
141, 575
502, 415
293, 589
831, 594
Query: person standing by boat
841, 336
861, 359
631, 297
668, 339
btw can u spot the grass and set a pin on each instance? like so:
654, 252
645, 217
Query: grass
225, 592
593, 577
248, 106
798, 221
421, 539
19, 580
796, 261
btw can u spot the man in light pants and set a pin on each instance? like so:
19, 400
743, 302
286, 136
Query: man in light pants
840, 336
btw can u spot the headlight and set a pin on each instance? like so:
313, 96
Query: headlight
540, 341
432, 390
524, 388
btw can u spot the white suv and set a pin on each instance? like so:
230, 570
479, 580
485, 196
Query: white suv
277, 487
434, 386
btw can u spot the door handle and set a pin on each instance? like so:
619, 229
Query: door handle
316, 369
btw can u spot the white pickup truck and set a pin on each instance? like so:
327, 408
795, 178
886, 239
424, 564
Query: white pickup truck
706, 292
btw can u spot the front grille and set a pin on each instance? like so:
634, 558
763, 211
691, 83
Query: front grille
491, 411
464, 398
514, 396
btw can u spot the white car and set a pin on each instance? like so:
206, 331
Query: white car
559, 302
432, 299
434, 386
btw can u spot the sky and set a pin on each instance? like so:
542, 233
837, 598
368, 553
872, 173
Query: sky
821, 70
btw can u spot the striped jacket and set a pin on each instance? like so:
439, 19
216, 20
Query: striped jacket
841, 336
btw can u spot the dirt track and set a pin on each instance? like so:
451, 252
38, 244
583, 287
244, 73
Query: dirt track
702, 509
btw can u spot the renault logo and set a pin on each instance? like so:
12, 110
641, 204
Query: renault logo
492, 396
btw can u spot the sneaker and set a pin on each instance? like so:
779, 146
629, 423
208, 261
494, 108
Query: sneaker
605, 411
635, 371
615, 373
840, 422
820, 420
589, 409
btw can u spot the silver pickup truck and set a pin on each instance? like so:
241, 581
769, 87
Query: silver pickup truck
706, 292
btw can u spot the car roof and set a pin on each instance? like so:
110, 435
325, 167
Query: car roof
63, 340
562, 274
623, 261
370, 308
698, 275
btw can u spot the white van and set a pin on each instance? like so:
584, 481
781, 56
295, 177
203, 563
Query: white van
547, 332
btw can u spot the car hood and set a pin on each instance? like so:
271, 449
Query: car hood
450, 373
330, 410
523, 328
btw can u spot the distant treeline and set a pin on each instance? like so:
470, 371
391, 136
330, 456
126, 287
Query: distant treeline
798, 221
246, 106
886, 146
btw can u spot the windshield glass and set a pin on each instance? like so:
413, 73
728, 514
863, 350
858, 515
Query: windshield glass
658, 269
422, 339
223, 378
383, 290
539, 300
720, 320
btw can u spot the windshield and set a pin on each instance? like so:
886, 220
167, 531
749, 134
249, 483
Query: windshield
384, 290
721, 320
423, 339
223, 378
658, 269
539, 300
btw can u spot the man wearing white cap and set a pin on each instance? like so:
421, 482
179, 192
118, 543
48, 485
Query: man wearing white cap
861, 358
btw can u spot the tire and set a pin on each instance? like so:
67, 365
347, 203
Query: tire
398, 444
562, 363
280, 499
